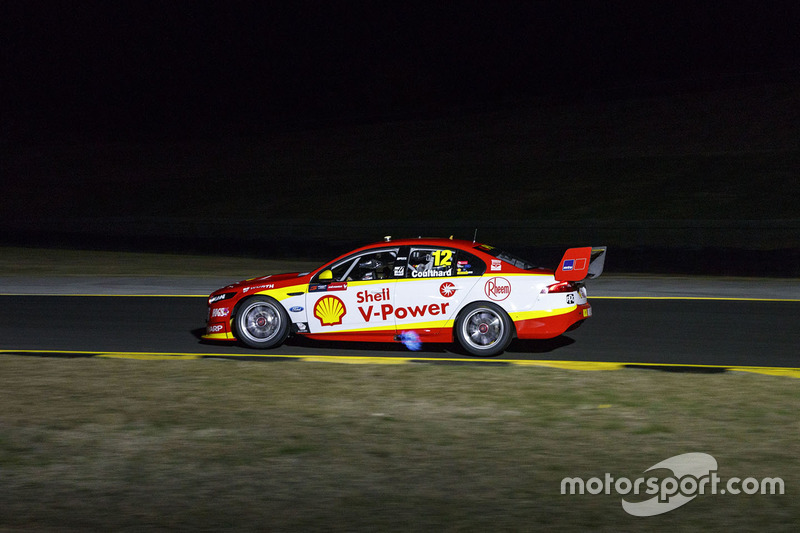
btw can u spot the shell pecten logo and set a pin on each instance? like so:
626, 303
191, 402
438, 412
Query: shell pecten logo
329, 310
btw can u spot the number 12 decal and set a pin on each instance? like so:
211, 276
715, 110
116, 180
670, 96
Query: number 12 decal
442, 258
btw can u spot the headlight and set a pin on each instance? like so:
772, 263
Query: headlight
220, 297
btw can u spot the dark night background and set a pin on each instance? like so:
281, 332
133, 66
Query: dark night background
113, 70
141, 106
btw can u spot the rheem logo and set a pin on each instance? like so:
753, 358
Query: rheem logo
497, 289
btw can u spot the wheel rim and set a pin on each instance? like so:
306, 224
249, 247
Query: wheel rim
260, 322
483, 328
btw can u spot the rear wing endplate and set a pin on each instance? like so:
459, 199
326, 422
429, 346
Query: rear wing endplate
581, 263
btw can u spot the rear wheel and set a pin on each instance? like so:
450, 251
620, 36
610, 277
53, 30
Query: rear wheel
484, 329
261, 322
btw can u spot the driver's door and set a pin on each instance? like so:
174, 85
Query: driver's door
355, 300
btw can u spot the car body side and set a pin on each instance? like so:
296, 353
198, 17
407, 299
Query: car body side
383, 309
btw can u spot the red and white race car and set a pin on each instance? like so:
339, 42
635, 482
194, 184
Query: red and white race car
411, 291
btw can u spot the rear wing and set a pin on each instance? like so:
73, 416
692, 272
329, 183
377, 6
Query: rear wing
581, 263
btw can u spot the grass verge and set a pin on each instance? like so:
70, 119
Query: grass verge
210, 445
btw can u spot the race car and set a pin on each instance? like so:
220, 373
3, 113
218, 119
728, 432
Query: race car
412, 291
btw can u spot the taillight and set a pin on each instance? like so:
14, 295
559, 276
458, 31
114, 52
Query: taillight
561, 286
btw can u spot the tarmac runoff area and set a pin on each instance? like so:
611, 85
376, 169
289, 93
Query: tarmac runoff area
753, 331
611, 286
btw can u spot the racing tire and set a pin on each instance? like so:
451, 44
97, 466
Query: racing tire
484, 329
261, 322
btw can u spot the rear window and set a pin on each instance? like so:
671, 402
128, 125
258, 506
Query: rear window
507, 257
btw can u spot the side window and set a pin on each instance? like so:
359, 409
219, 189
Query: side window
375, 265
469, 265
341, 269
368, 266
335, 272
431, 263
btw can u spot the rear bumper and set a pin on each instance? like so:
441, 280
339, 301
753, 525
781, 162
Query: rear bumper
548, 327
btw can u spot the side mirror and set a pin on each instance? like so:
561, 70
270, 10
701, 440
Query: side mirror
325, 275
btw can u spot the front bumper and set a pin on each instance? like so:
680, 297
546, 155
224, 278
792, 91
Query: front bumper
218, 324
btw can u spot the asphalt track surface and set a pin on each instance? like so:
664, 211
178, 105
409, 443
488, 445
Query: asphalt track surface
728, 332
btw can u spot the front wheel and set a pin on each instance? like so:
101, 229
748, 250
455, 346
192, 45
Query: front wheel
261, 322
484, 329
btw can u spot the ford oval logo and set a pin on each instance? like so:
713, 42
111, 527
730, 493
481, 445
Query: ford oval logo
296, 309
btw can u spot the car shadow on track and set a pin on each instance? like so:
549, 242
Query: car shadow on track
396, 349
520, 346
516, 350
